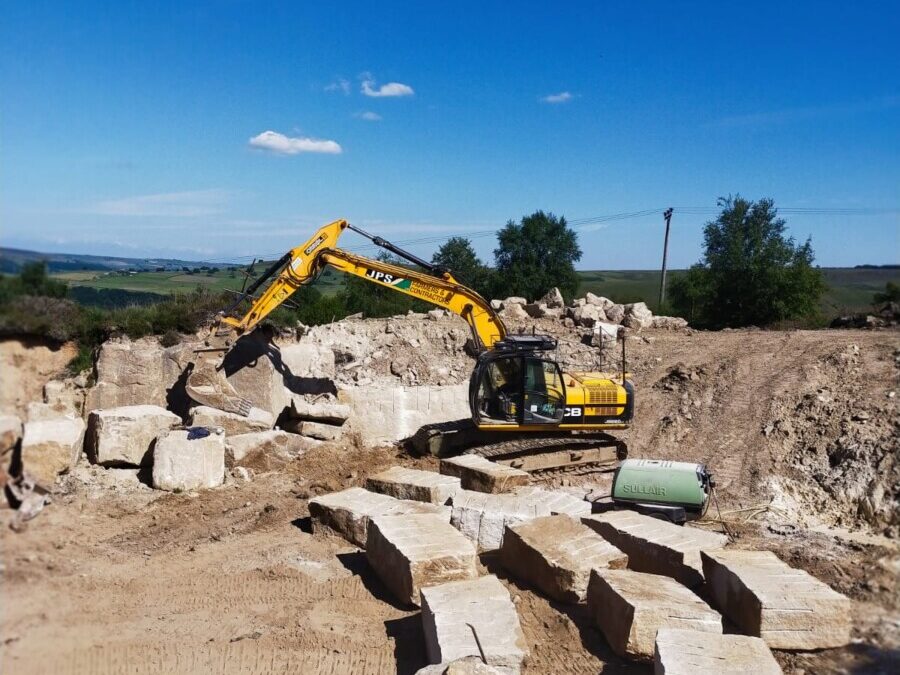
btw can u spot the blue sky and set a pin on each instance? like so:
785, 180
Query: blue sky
136, 128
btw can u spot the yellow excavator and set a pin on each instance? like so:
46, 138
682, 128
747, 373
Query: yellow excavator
526, 411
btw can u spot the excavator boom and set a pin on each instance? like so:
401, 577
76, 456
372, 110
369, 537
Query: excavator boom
301, 266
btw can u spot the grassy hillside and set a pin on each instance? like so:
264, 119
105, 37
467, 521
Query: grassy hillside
849, 289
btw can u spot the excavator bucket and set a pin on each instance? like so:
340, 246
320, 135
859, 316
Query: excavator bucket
207, 385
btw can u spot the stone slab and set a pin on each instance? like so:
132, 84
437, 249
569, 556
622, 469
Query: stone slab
330, 412
454, 613
317, 430
482, 475
630, 607
180, 464
556, 554
483, 517
265, 450
657, 546
51, 447
10, 432
421, 486
690, 652
411, 551
124, 435
232, 423
559, 502
349, 511
383, 414
786, 607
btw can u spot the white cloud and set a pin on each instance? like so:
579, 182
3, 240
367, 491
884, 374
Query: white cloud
385, 90
287, 145
169, 204
340, 85
369, 116
561, 97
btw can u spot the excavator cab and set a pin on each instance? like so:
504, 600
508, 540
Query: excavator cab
513, 384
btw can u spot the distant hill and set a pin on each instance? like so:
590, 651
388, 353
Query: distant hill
12, 260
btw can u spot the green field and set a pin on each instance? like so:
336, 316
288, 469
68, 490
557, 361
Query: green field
849, 289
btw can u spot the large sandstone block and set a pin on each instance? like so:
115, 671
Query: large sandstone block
317, 430
630, 607
482, 475
466, 618
182, 464
387, 414
232, 423
51, 447
330, 412
10, 432
657, 546
470, 665
421, 486
786, 607
265, 450
556, 555
135, 373
558, 502
691, 652
125, 435
484, 517
411, 551
638, 316
349, 511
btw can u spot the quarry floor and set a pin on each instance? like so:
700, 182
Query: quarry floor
113, 577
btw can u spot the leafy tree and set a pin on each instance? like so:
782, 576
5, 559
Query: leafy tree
535, 255
751, 273
891, 293
458, 256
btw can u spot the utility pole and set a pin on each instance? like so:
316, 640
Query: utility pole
667, 214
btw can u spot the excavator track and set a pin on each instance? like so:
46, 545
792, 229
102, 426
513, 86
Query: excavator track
538, 453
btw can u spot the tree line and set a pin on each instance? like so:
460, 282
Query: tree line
751, 273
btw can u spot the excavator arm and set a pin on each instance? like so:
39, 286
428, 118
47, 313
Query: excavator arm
301, 266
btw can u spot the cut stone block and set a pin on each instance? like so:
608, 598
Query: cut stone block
482, 475
471, 665
51, 447
453, 614
657, 546
322, 432
182, 464
232, 423
330, 412
484, 517
265, 450
690, 652
126, 434
349, 511
420, 486
556, 554
411, 551
630, 607
10, 432
559, 502
786, 607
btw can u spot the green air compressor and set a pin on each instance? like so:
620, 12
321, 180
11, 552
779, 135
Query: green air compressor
676, 491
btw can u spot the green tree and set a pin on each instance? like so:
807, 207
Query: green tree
458, 256
891, 293
535, 255
751, 272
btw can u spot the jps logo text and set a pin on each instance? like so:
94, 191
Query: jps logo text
383, 277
